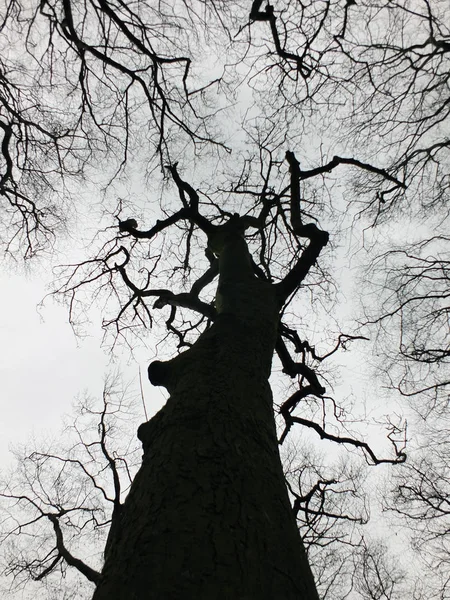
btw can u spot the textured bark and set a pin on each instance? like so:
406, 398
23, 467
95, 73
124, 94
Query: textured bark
208, 515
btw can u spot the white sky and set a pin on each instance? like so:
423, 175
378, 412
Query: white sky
43, 366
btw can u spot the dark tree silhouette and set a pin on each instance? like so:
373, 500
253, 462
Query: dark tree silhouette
217, 431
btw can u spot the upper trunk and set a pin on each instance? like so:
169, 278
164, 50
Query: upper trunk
208, 515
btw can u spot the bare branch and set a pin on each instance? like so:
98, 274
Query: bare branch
400, 455
71, 560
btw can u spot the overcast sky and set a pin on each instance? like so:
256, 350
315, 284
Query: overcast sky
43, 366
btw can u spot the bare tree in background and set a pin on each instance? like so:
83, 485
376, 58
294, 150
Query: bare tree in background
420, 498
82, 85
390, 63
411, 322
59, 499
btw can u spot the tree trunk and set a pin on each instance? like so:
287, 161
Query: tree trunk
208, 516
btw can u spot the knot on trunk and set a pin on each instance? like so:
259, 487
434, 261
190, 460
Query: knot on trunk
158, 373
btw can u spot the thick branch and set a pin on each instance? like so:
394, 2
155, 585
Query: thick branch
304, 346
401, 456
111, 461
292, 368
256, 14
289, 405
130, 225
339, 160
6, 154
207, 277
320, 487
186, 300
318, 239
192, 207
83, 568
294, 168
43, 574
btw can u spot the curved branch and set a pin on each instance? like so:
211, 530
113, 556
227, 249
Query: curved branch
186, 300
340, 160
71, 560
256, 14
401, 456
293, 368
304, 346
130, 225
192, 207
207, 277
318, 239
8, 131
48, 569
110, 460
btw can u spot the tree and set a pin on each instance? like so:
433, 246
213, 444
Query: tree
80, 84
61, 493
411, 319
211, 481
258, 228
213, 448
420, 499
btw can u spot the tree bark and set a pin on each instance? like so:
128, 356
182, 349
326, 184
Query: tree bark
208, 516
